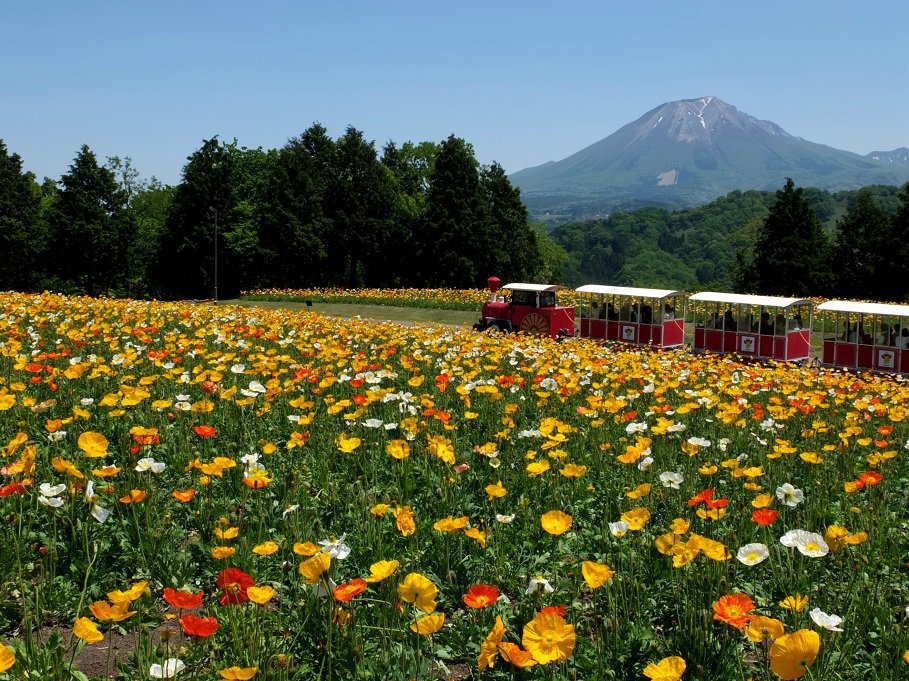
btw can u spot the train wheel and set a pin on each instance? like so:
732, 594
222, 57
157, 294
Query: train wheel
535, 323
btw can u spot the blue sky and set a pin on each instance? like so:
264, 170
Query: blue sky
524, 82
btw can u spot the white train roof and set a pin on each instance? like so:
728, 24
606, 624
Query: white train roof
865, 308
533, 287
745, 299
628, 291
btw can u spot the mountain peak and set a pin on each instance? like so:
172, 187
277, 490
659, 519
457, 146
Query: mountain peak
689, 152
697, 120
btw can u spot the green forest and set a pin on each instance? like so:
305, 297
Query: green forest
323, 212
317, 212
798, 241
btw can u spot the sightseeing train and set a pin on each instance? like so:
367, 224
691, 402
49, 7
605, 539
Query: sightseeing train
854, 335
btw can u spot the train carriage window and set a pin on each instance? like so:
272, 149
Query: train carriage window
547, 299
528, 298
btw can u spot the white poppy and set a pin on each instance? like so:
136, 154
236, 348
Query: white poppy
538, 583
671, 479
336, 548
618, 529
752, 554
789, 495
508, 518
171, 667
149, 464
822, 619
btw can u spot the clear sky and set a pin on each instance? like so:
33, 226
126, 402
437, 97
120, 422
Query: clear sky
524, 81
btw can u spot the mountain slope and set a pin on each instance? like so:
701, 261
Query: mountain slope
689, 152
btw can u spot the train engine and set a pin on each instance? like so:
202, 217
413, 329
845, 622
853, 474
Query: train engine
531, 309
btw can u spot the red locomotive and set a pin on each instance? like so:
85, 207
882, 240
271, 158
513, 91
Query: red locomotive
531, 309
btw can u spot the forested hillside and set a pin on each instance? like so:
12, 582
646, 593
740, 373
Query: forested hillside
692, 249
317, 212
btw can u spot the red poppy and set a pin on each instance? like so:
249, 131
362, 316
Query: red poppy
210, 387
702, 497
13, 488
205, 431
346, 591
870, 478
480, 595
764, 516
234, 583
199, 626
717, 503
553, 610
181, 599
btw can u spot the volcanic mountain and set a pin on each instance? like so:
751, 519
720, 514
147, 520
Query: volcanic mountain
689, 152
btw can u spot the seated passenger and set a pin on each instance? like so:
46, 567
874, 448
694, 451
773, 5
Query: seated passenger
611, 313
646, 315
796, 324
766, 327
729, 321
904, 339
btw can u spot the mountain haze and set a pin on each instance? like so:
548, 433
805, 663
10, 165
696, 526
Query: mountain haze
687, 153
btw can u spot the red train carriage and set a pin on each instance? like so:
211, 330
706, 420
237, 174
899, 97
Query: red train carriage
532, 309
762, 327
642, 316
871, 336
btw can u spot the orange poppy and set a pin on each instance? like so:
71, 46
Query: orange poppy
480, 595
870, 478
205, 431
764, 516
199, 626
346, 591
182, 600
733, 609
183, 496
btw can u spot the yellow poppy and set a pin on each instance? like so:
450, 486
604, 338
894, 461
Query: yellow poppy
265, 548
221, 552
307, 548
450, 524
636, 518
94, 445
595, 574
429, 624
87, 630
792, 654
7, 657
760, 629
238, 673
260, 594
556, 522
313, 569
667, 669
398, 449
418, 590
490, 645
548, 638
496, 491
380, 570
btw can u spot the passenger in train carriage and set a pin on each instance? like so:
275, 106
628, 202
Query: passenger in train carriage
904, 339
884, 335
646, 314
796, 324
766, 325
715, 322
745, 323
779, 325
850, 334
668, 311
611, 313
729, 321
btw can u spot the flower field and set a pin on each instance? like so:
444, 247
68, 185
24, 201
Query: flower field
203, 492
